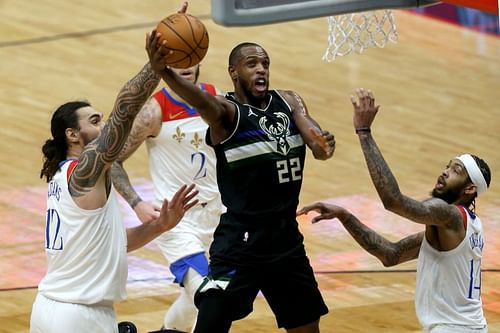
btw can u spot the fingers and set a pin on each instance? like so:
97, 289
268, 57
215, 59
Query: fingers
365, 97
152, 39
190, 204
306, 209
302, 211
318, 218
188, 201
183, 8
179, 194
354, 102
325, 139
184, 197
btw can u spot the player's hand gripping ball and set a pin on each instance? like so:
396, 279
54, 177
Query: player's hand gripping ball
186, 37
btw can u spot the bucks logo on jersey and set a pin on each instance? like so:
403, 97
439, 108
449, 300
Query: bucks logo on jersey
277, 131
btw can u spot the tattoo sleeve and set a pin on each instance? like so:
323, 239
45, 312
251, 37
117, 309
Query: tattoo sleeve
123, 186
382, 177
388, 253
100, 153
430, 212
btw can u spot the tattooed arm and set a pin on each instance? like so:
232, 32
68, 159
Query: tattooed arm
433, 211
321, 143
146, 124
387, 252
89, 177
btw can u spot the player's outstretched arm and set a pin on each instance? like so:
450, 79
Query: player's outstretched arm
213, 109
146, 212
321, 142
170, 215
99, 154
387, 252
146, 124
431, 212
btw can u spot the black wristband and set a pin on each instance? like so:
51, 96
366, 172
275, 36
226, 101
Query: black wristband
363, 130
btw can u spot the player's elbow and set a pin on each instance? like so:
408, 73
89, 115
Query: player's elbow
389, 263
392, 203
390, 255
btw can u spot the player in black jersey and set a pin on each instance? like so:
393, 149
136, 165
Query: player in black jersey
260, 138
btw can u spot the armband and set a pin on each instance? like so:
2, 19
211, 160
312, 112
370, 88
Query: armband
363, 130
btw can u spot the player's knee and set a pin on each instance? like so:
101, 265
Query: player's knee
192, 281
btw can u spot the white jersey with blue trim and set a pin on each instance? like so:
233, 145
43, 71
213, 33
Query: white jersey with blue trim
179, 154
448, 290
86, 249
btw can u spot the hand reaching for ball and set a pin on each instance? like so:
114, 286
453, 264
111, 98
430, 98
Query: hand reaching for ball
183, 8
157, 51
186, 37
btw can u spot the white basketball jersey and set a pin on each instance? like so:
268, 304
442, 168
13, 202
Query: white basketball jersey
86, 249
179, 154
448, 287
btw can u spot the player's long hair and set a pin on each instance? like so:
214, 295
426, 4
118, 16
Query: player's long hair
54, 150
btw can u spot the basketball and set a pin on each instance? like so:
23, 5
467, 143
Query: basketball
186, 36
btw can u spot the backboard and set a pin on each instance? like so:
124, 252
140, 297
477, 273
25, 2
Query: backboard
257, 12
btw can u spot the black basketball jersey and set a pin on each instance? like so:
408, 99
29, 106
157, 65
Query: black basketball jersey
260, 165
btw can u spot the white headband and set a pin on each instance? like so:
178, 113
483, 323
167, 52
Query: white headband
474, 172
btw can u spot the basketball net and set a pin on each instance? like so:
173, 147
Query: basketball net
356, 32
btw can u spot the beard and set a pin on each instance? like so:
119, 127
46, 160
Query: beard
450, 195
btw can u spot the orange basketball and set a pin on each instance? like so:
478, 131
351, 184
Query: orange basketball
186, 36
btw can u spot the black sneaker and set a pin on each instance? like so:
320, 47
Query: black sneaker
164, 330
126, 327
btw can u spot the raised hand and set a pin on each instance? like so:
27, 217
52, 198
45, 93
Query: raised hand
364, 109
172, 212
183, 8
326, 211
157, 51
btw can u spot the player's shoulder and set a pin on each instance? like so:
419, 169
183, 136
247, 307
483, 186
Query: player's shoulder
451, 215
151, 108
289, 95
291, 98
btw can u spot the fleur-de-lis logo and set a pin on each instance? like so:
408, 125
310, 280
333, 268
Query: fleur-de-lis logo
196, 141
179, 135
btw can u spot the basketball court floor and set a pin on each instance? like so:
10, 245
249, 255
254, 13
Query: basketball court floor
438, 88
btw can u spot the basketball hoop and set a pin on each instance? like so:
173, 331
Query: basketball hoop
356, 32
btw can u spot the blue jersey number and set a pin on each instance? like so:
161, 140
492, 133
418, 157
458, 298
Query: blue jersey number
199, 159
475, 280
53, 241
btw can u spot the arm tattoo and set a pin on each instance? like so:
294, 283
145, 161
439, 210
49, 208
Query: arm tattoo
300, 102
123, 185
145, 124
385, 183
106, 148
432, 212
388, 253
382, 177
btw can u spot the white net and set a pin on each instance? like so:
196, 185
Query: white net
356, 32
